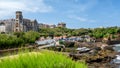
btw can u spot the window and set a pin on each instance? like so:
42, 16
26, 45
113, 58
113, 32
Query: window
16, 24
16, 30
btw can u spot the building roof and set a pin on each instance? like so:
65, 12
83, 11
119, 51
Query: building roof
18, 11
61, 23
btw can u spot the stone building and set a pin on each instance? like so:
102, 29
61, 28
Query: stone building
52, 26
62, 25
41, 25
6, 26
19, 24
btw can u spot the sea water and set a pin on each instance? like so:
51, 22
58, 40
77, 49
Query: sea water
117, 59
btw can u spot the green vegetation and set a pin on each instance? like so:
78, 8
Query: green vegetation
43, 59
54, 31
96, 33
7, 41
30, 37
18, 39
63, 31
105, 32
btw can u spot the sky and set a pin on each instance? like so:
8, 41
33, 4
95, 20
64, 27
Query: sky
75, 13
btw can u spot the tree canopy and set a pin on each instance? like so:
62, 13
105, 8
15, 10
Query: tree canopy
96, 32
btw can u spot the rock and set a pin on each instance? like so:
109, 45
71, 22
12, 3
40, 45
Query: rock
109, 48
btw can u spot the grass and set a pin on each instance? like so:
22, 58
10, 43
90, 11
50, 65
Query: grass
42, 59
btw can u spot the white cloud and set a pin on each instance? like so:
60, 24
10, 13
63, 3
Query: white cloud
81, 19
7, 7
86, 5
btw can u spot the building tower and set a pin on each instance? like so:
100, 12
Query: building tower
18, 27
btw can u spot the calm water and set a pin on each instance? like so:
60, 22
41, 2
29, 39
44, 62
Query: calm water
117, 47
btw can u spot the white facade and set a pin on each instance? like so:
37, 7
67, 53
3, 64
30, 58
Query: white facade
2, 28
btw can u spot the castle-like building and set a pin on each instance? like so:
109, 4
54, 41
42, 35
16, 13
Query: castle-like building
19, 24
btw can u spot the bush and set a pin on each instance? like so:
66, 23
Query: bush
68, 44
10, 41
18, 39
31, 36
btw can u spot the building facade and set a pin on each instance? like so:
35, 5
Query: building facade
41, 25
2, 27
63, 25
19, 24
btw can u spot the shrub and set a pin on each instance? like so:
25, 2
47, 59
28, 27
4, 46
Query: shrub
69, 44
18, 39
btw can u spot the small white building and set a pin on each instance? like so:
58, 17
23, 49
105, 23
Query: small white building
2, 28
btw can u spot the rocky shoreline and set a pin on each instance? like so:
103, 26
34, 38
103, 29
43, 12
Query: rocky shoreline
99, 56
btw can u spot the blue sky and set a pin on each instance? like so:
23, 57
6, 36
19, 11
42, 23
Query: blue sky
75, 13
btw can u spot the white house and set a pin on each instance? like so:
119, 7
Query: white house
2, 28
